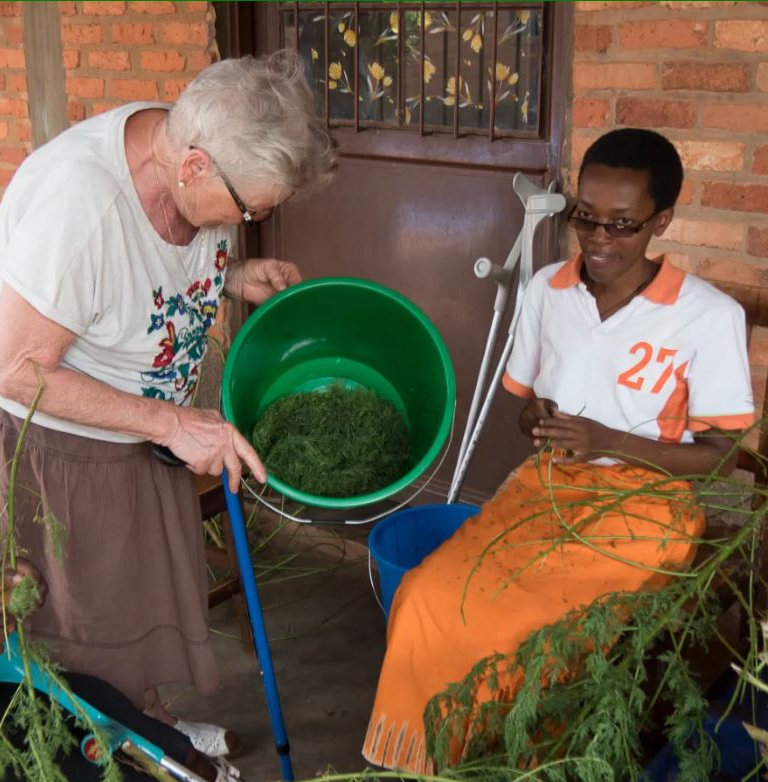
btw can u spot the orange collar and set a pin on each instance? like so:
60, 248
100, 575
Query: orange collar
664, 289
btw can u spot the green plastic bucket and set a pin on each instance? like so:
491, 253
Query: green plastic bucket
359, 333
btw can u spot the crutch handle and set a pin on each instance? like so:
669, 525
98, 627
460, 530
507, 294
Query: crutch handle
484, 268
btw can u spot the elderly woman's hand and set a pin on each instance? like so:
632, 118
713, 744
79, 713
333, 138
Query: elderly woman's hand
256, 279
32, 596
207, 444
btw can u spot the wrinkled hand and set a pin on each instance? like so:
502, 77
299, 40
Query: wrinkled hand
533, 413
207, 444
13, 578
262, 278
582, 439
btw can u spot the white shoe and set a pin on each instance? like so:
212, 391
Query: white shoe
225, 771
212, 740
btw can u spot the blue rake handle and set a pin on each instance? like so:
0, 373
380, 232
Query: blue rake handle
258, 631
116, 735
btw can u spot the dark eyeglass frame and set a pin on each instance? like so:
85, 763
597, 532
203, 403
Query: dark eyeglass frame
248, 217
614, 230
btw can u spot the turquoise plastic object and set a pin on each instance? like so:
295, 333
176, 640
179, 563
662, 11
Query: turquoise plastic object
350, 331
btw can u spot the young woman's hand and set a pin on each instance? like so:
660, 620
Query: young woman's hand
535, 411
582, 439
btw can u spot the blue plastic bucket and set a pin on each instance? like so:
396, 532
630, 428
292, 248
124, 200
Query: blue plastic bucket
400, 541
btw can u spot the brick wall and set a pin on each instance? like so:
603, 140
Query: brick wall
114, 52
697, 72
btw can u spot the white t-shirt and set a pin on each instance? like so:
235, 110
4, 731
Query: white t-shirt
671, 362
76, 243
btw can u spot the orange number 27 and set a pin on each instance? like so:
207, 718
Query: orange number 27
632, 377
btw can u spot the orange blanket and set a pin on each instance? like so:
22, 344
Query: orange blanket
551, 540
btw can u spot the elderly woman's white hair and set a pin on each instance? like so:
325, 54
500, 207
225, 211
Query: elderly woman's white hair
256, 119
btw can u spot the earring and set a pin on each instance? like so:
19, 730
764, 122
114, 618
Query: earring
181, 184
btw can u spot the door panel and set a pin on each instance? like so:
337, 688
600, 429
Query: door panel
413, 209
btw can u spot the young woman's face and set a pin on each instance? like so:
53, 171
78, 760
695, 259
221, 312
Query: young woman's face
619, 196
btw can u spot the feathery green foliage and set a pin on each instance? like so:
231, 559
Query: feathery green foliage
338, 442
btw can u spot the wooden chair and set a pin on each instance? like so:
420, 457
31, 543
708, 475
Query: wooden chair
213, 503
712, 664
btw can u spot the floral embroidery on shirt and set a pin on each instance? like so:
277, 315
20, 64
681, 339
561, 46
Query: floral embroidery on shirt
183, 320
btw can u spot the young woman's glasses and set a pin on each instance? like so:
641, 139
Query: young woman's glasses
249, 217
615, 230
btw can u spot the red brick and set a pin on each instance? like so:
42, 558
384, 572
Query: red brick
82, 33
103, 8
663, 34
3, 130
17, 82
14, 32
173, 88
757, 241
67, 7
85, 87
196, 61
739, 117
6, 174
743, 198
655, 113
760, 161
762, 76
603, 6
618, 75
185, 32
676, 4
13, 155
728, 270
162, 61
12, 58
75, 111
2, 80
110, 61
196, 7
24, 130
592, 38
100, 108
705, 233
687, 192
14, 107
581, 140
712, 155
71, 59
758, 347
589, 113
720, 77
156, 8
133, 34
745, 35
10, 9
134, 89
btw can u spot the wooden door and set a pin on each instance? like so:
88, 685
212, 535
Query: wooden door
421, 194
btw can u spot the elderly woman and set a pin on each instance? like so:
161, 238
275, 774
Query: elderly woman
115, 248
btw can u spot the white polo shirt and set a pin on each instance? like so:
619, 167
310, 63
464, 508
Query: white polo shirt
671, 362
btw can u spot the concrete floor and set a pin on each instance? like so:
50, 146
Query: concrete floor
327, 637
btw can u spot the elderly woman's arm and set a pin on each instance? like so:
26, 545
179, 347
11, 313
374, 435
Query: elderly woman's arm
256, 279
32, 346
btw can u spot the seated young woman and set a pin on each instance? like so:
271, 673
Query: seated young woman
636, 373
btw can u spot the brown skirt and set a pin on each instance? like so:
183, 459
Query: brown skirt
127, 593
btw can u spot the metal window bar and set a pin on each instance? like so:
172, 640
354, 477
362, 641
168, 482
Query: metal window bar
458, 70
492, 79
357, 68
327, 64
524, 66
422, 62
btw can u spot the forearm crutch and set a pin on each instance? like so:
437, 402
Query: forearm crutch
539, 203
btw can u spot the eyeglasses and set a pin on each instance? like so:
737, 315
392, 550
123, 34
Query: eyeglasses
250, 218
615, 230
